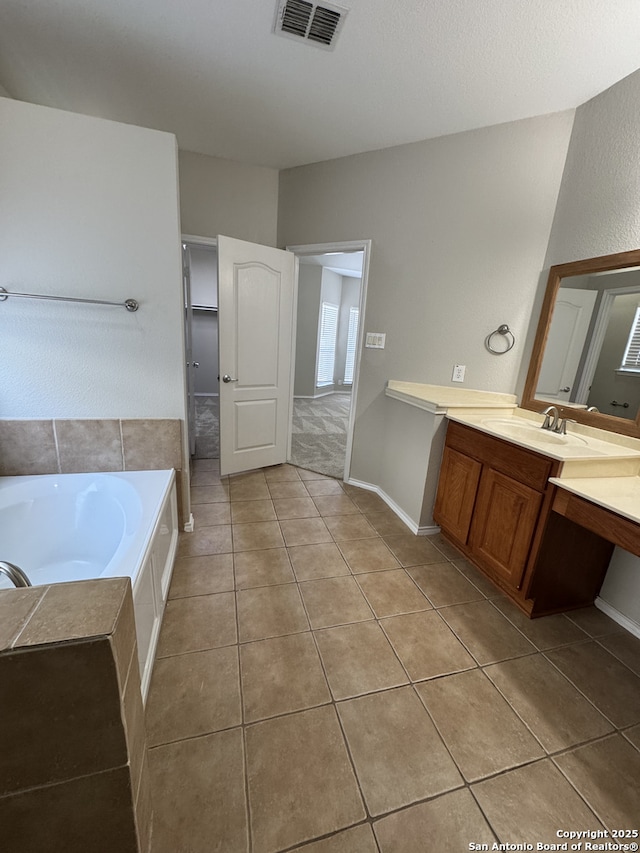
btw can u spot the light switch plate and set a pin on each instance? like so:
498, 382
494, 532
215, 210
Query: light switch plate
375, 340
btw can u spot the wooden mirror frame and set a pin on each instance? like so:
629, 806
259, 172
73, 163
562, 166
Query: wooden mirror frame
621, 260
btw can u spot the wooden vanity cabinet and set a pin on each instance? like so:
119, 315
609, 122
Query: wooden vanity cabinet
494, 502
457, 488
504, 521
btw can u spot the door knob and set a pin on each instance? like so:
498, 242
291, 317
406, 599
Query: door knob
196, 364
567, 388
227, 378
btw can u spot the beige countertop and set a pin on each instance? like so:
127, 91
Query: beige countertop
618, 494
441, 398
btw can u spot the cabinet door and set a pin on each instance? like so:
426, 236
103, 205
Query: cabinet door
503, 525
459, 477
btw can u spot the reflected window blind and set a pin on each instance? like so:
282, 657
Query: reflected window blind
327, 347
631, 358
352, 337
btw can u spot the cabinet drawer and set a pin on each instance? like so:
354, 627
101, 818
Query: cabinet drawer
522, 465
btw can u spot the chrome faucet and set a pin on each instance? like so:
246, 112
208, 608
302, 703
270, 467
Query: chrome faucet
562, 425
551, 418
14, 573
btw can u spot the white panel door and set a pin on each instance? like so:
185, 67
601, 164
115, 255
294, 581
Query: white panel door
256, 290
565, 342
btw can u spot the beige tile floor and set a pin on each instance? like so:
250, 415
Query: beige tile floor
328, 682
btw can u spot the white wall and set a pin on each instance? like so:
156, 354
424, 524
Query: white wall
203, 268
599, 213
308, 314
223, 197
460, 226
88, 208
350, 298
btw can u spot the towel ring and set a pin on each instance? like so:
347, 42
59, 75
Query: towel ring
501, 330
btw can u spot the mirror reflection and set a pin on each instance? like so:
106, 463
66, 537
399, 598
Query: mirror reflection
591, 358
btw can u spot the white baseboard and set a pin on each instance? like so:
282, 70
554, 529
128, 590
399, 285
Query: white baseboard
429, 530
402, 515
618, 617
312, 396
189, 525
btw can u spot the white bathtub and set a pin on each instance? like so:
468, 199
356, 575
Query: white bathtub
67, 527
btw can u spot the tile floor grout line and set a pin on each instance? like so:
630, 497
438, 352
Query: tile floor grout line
484, 814
562, 750
612, 653
578, 791
248, 812
582, 693
334, 702
194, 737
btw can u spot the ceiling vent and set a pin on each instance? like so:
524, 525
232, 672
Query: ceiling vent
318, 24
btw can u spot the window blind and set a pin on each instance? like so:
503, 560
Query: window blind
352, 337
327, 346
631, 358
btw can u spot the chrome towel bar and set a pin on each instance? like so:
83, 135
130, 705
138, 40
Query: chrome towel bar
129, 304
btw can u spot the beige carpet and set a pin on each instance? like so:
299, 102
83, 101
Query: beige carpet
319, 434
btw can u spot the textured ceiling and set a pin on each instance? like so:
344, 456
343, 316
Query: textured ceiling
213, 72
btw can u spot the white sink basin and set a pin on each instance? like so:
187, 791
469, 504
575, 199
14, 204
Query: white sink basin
515, 428
569, 446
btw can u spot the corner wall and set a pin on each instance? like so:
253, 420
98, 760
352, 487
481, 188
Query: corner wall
598, 214
223, 197
460, 226
309, 292
89, 208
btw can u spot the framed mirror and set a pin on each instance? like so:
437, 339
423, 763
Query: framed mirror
586, 353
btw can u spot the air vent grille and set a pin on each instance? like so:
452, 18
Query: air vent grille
296, 16
315, 23
324, 25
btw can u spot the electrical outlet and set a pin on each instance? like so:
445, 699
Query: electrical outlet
458, 372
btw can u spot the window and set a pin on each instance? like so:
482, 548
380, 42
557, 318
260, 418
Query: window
352, 337
327, 346
631, 358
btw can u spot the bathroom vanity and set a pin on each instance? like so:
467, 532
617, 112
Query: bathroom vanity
538, 511
502, 503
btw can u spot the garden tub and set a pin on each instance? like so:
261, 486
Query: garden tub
68, 527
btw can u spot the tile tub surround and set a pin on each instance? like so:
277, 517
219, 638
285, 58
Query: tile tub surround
351, 701
80, 446
73, 738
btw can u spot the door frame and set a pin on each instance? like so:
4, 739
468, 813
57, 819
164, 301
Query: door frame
598, 336
212, 242
345, 246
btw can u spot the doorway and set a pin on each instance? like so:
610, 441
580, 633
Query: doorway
201, 318
331, 298
334, 388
